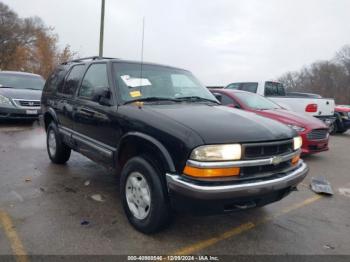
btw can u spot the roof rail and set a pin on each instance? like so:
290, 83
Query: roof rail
86, 58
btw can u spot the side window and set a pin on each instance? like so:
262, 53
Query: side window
274, 89
225, 100
72, 80
94, 79
270, 89
233, 86
55, 80
281, 91
249, 87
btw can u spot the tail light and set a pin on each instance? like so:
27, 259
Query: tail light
311, 108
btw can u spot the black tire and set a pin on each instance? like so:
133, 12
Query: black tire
333, 129
158, 216
62, 152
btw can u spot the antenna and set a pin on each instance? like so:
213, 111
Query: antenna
142, 42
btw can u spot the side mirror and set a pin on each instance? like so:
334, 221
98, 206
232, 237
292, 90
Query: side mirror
102, 96
218, 96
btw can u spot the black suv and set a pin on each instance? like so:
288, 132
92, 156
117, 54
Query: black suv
173, 144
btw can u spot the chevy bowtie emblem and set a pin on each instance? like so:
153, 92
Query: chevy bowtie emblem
276, 160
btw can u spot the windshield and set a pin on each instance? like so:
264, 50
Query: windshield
256, 102
19, 81
158, 82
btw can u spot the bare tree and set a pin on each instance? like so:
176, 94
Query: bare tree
327, 78
343, 57
28, 44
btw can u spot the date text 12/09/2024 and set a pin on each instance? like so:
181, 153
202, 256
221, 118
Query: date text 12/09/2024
173, 258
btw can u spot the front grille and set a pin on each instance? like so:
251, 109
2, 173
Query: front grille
317, 147
264, 150
28, 103
261, 171
317, 134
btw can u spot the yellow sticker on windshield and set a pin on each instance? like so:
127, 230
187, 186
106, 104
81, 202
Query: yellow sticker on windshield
135, 93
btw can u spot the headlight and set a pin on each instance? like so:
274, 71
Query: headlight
297, 128
298, 142
4, 100
217, 153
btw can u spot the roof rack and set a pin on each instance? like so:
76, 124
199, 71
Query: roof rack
86, 58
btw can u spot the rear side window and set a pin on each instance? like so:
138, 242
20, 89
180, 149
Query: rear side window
55, 80
274, 89
94, 79
249, 87
72, 80
233, 86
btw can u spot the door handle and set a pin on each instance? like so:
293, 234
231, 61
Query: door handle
87, 111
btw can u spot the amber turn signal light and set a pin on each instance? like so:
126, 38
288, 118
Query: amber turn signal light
295, 160
211, 172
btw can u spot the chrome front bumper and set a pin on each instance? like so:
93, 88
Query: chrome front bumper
179, 185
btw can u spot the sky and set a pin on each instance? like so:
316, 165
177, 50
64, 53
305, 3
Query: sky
220, 41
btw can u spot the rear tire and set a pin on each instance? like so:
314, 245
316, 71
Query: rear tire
144, 197
58, 152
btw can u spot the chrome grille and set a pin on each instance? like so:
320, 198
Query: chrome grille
317, 134
269, 149
27, 103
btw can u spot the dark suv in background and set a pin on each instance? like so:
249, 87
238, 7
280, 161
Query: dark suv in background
20, 95
174, 145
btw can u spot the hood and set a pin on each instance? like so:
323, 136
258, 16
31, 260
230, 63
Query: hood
220, 124
26, 94
292, 118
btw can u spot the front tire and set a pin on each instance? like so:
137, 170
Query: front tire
59, 153
333, 129
143, 195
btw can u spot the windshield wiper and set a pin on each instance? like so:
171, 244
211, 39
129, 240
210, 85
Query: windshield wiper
196, 98
1, 86
151, 99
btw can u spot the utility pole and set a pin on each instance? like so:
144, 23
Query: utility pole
102, 26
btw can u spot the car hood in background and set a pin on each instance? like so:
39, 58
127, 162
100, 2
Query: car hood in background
27, 94
220, 124
293, 118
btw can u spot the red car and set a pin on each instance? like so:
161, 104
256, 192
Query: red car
342, 114
314, 132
